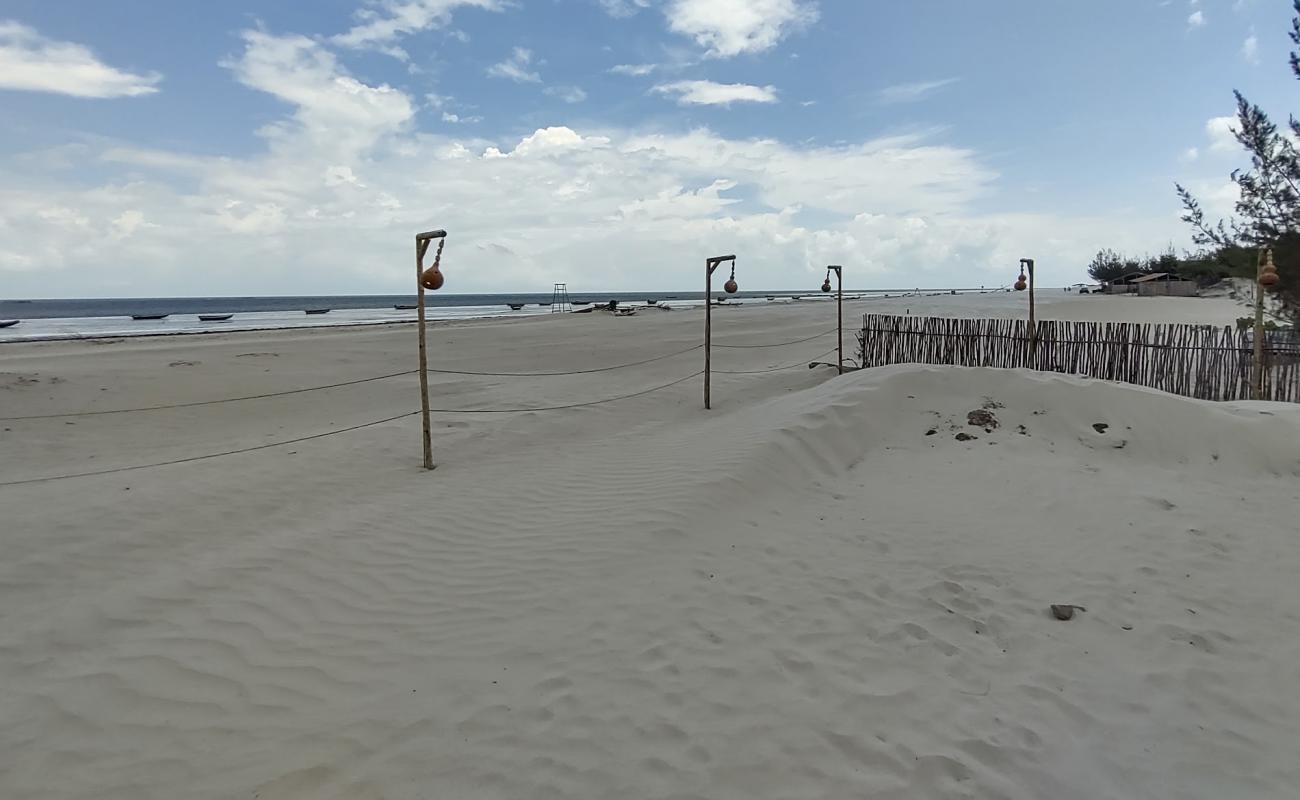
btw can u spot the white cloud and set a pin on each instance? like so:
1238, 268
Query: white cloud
569, 94
447, 116
912, 92
708, 93
623, 8
337, 111
516, 67
1220, 133
1250, 49
558, 199
344, 178
128, 222
633, 70
730, 27
31, 62
1196, 19
394, 18
1189, 155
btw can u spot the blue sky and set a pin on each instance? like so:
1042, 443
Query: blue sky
285, 147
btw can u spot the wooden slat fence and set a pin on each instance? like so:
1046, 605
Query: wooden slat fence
1200, 361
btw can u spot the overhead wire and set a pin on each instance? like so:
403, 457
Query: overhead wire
777, 344
798, 363
339, 384
281, 443
567, 372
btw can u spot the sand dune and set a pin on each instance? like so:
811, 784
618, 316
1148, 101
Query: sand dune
804, 593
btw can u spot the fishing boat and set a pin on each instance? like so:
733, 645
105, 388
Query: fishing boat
582, 302
405, 308
8, 323
214, 317
150, 316
516, 306
316, 311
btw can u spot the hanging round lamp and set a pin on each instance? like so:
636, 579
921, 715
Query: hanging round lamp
731, 287
432, 279
1268, 277
1021, 284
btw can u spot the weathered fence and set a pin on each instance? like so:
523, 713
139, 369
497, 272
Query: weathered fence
1193, 360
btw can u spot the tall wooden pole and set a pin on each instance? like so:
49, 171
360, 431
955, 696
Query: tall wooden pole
709, 266
1257, 367
421, 247
839, 315
1028, 264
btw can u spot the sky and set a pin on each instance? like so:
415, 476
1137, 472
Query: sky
152, 148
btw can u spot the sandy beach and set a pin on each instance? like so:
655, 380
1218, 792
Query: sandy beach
812, 591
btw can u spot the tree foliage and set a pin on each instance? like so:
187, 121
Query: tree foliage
1268, 206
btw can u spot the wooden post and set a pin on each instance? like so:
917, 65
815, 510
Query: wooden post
421, 247
839, 316
710, 264
1028, 263
1257, 366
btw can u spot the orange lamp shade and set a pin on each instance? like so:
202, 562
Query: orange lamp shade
731, 286
1268, 278
1021, 285
432, 279
826, 285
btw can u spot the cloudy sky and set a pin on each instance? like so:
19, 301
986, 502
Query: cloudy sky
187, 148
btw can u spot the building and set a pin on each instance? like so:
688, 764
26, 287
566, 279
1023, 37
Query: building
1165, 284
1126, 284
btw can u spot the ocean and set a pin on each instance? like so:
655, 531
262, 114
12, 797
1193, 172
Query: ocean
95, 318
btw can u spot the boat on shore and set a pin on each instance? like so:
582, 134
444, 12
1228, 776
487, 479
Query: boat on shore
316, 311
405, 308
9, 323
149, 316
516, 306
214, 317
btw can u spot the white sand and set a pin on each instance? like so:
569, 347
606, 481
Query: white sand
797, 595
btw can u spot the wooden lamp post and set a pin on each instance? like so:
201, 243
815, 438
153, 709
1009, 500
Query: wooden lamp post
432, 280
1027, 267
839, 310
1265, 280
711, 264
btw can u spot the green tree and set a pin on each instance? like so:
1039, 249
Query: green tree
1268, 209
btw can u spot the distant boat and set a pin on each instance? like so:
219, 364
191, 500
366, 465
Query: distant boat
516, 306
405, 308
316, 311
544, 305
9, 323
150, 316
214, 317
582, 302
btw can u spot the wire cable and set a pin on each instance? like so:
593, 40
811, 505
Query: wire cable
281, 443
560, 408
778, 344
265, 395
208, 455
569, 372
798, 363
211, 402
